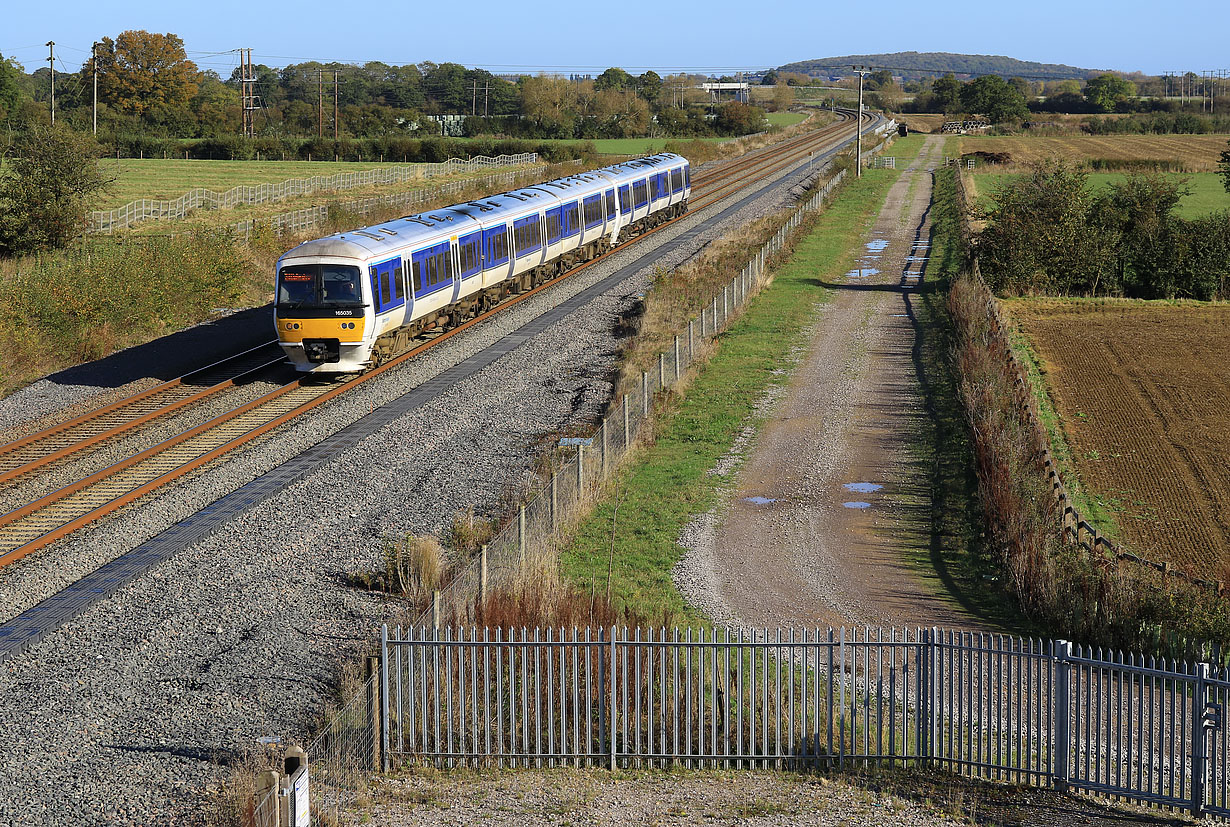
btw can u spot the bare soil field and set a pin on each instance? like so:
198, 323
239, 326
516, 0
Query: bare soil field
1197, 153
1142, 391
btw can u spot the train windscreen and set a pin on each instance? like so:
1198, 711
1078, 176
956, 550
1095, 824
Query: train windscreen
319, 285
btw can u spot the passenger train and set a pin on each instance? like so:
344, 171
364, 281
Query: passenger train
350, 301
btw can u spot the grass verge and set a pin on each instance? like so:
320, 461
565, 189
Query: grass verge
957, 553
633, 532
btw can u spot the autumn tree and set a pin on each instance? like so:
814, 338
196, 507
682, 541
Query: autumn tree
140, 71
551, 104
52, 180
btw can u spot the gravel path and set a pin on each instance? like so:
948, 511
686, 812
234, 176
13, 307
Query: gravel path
846, 503
126, 713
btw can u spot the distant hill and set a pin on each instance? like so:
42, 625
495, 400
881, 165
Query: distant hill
915, 65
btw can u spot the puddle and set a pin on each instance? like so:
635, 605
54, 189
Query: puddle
901, 315
918, 244
857, 505
862, 487
877, 245
862, 272
760, 500
918, 258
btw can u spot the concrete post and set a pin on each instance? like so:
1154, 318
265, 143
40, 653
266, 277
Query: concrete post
691, 342
554, 502
580, 472
644, 394
435, 610
627, 425
482, 573
662, 371
604, 447
676, 357
521, 532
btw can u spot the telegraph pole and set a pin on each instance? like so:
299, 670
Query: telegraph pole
51, 60
94, 54
320, 105
335, 105
474, 100
858, 122
486, 96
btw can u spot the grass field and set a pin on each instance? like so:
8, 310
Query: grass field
786, 118
1208, 193
1140, 391
169, 179
1198, 153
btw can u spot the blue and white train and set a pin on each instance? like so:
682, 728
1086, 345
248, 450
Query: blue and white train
348, 302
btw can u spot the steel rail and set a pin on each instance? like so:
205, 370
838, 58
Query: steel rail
59, 513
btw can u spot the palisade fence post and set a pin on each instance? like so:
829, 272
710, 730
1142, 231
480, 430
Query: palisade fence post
933, 708
1061, 653
521, 531
612, 717
1200, 738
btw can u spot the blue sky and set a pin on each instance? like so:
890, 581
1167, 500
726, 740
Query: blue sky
690, 35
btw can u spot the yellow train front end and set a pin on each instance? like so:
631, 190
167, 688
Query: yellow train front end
321, 315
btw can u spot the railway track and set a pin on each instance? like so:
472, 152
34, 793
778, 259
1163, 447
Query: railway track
55, 515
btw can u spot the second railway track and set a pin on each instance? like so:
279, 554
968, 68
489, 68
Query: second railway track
52, 516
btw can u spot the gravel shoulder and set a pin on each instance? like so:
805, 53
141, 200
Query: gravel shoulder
130, 712
829, 506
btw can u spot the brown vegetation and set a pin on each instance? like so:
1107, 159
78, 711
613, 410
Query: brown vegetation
1142, 396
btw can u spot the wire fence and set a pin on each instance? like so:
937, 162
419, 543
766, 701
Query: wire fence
345, 754
146, 209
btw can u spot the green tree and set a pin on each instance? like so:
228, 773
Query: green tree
947, 91
994, 97
1039, 237
53, 180
614, 79
9, 88
769, 78
738, 118
1107, 92
141, 70
649, 87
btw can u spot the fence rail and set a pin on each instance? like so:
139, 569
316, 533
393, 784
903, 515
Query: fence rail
145, 209
991, 706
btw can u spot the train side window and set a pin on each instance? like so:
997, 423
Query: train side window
447, 253
397, 274
625, 199
374, 272
416, 270
554, 231
469, 255
677, 180
593, 210
687, 176
641, 190
610, 204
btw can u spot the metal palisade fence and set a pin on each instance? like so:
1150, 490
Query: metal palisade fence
148, 208
1016, 709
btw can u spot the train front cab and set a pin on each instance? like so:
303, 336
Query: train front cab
322, 312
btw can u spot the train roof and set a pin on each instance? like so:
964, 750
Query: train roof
391, 236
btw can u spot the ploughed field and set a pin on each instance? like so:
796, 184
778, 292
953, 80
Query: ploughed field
1142, 390
1197, 153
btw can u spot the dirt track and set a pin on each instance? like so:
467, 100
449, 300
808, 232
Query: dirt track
811, 556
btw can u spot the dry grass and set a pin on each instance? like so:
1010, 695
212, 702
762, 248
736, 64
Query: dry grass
468, 533
1196, 153
539, 597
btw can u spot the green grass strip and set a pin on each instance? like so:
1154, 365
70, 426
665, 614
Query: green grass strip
660, 491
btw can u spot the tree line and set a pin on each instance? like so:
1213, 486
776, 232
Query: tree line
1051, 233
147, 86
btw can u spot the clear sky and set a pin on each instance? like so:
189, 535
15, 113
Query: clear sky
549, 35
